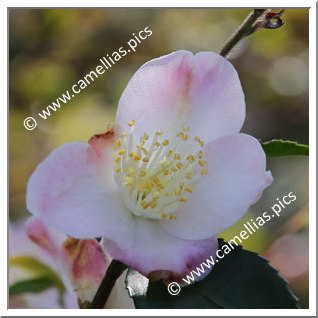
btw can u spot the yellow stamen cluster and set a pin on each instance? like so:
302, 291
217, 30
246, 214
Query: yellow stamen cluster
156, 175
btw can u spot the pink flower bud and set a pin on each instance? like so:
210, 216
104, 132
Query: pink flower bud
86, 263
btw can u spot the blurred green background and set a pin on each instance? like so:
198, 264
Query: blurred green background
51, 49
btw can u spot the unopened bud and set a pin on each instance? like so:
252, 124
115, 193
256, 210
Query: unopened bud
86, 264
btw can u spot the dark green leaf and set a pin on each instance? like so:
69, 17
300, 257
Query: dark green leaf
242, 279
34, 285
279, 148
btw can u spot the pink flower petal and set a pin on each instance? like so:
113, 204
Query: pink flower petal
237, 176
72, 191
202, 91
39, 234
101, 144
155, 252
86, 264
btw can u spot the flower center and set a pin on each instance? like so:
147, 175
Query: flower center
157, 175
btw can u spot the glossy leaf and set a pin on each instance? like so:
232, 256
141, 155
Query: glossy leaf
279, 148
242, 279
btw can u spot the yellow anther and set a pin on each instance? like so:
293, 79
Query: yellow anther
172, 216
176, 156
156, 180
123, 134
118, 159
137, 157
174, 169
142, 173
119, 143
189, 189
204, 171
183, 200
143, 203
121, 152
181, 185
144, 150
200, 154
166, 142
197, 139
164, 215
159, 132
140, 145
145, 159
132, 123
190, 158
169, 153
147, 205
159, 186
180, 133
145, 136
117, 170
132, 153
202, 162
188, 175
144, 187
157, 143
186, 128
184, 137
166, 172
179, 165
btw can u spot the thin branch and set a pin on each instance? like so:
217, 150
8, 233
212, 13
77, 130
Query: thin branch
114, 270
244, 29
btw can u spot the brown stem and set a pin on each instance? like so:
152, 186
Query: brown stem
114, 270
244, 29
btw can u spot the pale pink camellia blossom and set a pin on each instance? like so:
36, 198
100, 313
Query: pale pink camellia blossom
173, 173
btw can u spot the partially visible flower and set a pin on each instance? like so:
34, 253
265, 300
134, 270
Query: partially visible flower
86, 266
80, 263
171, 175
20, 245
290, 249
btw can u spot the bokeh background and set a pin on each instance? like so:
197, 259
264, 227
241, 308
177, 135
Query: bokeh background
51, 49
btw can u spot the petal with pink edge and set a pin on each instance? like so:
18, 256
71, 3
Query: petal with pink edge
158, 254
45, 238
236, 179
72, 191
202, 91
86, 264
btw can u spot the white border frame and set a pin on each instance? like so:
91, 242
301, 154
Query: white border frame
312, 163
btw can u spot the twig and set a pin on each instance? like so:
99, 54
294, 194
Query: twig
114, 270
244, 29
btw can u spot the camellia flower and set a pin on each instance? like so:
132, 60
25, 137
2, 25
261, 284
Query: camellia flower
171, 175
